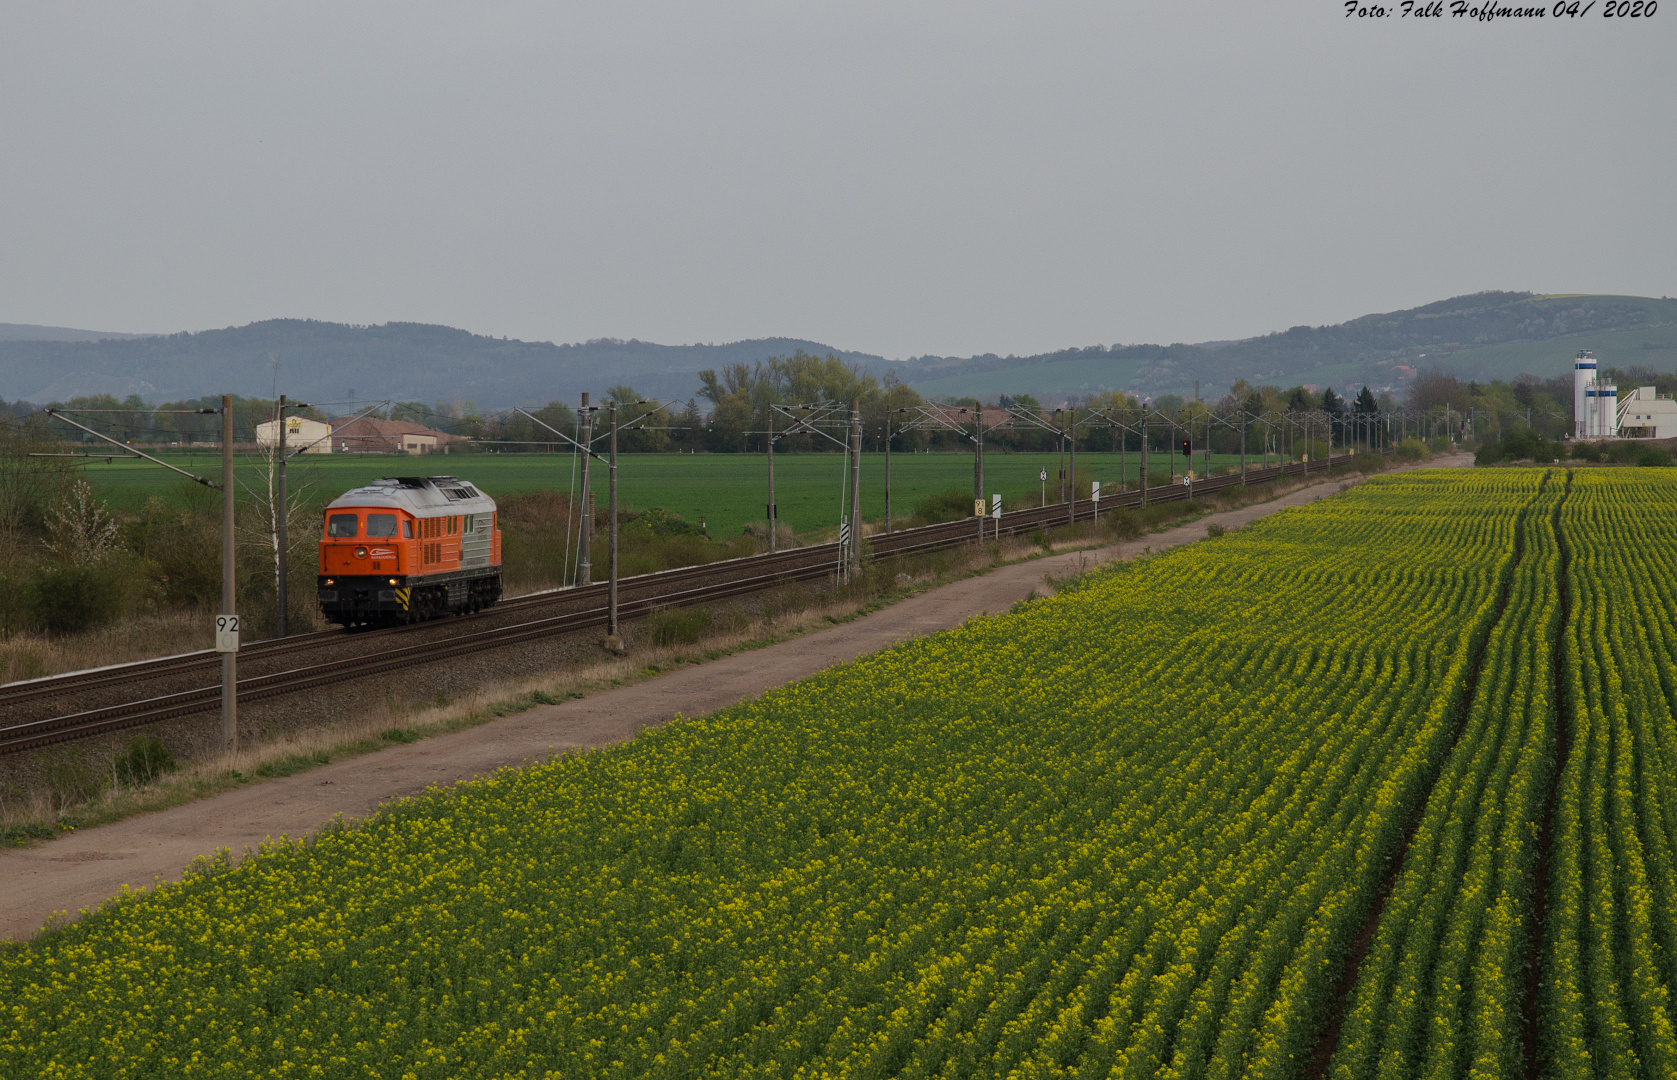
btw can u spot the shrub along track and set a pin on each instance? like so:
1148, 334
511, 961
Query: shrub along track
80, 705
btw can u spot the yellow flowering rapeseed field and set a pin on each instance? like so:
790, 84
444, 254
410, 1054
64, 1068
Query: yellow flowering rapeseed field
1138, 829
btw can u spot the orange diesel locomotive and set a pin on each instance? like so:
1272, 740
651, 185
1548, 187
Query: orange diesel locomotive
409, 548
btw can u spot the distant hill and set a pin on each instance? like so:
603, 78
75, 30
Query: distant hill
1482, 335
322, 361
28, 332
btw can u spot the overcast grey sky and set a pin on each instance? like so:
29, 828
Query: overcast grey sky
900, 178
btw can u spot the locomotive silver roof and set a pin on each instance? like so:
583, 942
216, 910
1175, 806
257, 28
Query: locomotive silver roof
424, 496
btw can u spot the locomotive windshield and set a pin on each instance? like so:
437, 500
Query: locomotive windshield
341, 525
381, 524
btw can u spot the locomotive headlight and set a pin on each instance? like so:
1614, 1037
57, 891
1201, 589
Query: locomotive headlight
331, 581
360, 553
392, 581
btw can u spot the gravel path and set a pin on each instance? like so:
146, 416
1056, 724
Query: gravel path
82, 869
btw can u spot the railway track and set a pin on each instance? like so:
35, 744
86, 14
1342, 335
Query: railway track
585, 608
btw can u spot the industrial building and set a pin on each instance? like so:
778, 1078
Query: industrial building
1599, 414
1645, 414
1595, 403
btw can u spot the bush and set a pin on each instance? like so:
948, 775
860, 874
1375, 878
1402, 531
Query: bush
1412, 449
1124, 523
1622, 453
640, 551
1215, 530
678, 626
182, 550
144, 762
71, 779
951, 504
657, 522
1653, 457
67, 599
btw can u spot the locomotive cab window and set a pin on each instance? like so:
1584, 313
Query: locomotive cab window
407, 530
342, 525
381, 524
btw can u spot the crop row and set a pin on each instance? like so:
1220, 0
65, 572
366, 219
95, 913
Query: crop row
1579, 670
1441, 991
1130, 830
1611, 948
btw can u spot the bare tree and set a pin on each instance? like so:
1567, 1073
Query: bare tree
28, 485
263, 528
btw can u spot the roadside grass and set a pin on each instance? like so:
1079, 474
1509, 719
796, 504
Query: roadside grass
33, 655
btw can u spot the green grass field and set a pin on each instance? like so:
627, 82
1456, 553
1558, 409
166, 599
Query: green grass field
725, 491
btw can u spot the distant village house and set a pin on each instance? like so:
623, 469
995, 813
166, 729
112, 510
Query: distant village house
301, 433
369, 435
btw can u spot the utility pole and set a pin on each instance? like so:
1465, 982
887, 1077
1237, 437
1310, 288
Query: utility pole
1243, 448
230, 657
978, 466
611, 510
1144, 457
1123, 456
856, 487
1060, 430
1071, 425
772, 525
280, 513
888, 471
585, 564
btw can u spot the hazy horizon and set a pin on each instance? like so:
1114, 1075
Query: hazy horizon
892, 179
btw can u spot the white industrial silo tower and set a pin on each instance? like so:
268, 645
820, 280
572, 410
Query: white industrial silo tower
1595, 404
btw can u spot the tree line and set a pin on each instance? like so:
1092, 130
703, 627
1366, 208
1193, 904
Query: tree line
740, 400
